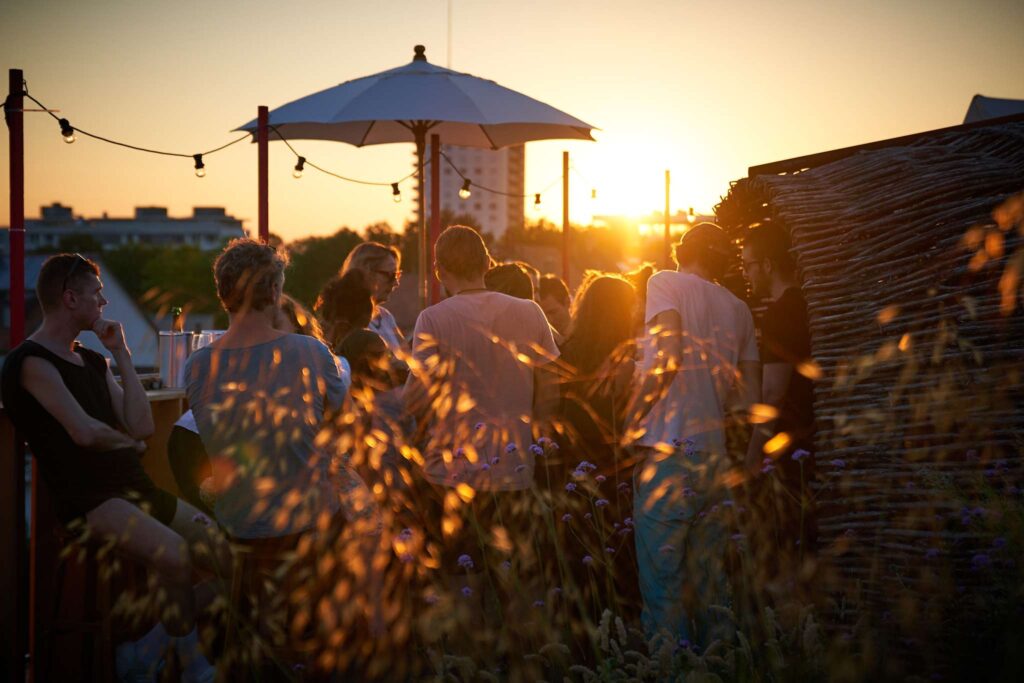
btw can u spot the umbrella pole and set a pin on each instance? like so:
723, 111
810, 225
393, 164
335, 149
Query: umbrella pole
435, 208
420, 134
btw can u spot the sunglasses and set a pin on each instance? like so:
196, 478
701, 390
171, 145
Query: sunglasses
79, 260
390, 275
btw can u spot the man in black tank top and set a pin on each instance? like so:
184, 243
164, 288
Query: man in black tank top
86, 432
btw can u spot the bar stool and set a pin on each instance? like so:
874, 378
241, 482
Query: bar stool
255, 645
94, 622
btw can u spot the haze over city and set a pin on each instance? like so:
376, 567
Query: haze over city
701, 88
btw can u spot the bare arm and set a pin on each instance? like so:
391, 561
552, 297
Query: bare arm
42, 380
775, 384
129, 398
668, 351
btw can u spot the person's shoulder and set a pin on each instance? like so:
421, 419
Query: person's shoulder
385, 315
89, 356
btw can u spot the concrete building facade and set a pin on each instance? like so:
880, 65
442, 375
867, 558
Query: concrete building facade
207, 228
502, 170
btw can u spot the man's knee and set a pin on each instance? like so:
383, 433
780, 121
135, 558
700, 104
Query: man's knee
175, 563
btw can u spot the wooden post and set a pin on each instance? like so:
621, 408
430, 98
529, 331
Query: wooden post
17, 601
262, 139
668, 222
435, 211
566, 237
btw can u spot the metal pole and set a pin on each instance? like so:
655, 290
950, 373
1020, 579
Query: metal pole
14, 621
668, 221
435, 208
566, 237
262, 140
420, 134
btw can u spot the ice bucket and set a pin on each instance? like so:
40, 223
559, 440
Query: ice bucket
174, 350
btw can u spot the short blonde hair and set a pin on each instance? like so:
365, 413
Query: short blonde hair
246, 272
461, 251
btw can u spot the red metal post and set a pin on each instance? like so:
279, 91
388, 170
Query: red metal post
17, 601
435, 210
262, 140
566, 230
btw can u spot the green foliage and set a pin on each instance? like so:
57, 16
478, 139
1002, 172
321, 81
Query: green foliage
314, 260
159, 277
79, 242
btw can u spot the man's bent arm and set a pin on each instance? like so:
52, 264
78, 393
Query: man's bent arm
135, 414
42, 380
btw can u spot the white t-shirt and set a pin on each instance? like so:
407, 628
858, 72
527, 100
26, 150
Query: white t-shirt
479, 349
384, 324
718, 333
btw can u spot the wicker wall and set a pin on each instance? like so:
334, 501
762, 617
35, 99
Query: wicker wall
920, 382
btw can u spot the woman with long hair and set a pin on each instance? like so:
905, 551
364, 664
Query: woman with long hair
599, 360
345, 304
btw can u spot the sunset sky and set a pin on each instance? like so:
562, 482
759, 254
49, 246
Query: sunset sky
705, 89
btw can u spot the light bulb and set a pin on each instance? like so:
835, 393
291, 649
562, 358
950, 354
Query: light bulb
396, 194
536, 202
465, 193
66, 131
297, 173
200, 166
200, 173
593, 194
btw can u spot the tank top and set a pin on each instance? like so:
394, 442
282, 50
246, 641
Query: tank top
78, 479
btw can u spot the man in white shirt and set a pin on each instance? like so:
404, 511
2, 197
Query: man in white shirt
477, 385
701, 355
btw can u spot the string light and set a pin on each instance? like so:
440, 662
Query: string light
536, 201
396, 194
593, 193
465, 193
200, 166
297, 173
67, 131
691, 214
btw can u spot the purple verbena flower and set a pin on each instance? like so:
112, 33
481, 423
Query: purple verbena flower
799, 454
588, 560
506, 565
536, 450
520, 468
543, 441
609, 551
405, 534
485, 467
570, 487
767, 469
585, 466
623, 486
511, 448
478, 426
538, 603
465, 561
495, 460
588, 516
600, 479
467, 591
566, 517
600, 502
628, 521
838, 463
460, 452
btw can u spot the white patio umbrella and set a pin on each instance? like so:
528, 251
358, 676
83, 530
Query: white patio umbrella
407, 103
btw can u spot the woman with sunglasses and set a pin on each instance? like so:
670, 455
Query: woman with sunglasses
382, 266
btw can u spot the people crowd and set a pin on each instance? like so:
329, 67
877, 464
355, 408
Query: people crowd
520, 440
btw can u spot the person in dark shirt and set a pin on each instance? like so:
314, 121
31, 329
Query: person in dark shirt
785, 348
86, 432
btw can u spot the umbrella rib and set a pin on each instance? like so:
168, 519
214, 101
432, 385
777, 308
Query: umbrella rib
366, 133
488, 136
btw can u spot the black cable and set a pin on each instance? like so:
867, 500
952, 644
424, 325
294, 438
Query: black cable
493, 191
125, 144
309, 163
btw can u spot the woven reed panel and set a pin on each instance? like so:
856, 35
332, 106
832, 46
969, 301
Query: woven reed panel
920, 382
